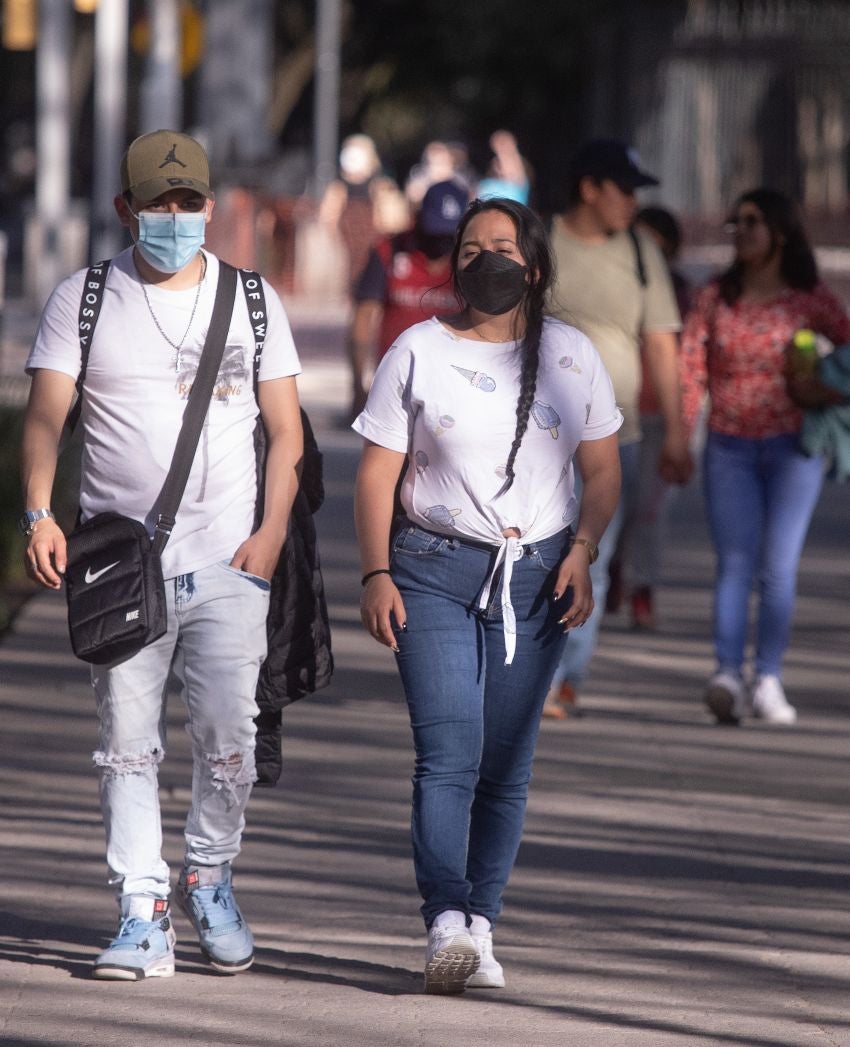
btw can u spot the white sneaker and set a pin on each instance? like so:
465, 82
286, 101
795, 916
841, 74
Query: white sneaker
451, 956
489, 974
726, 696
770, 703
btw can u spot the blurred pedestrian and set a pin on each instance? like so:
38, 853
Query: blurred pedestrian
636, 566
760, 487
143, 358
489, 409
508, 173
614, 284
407, 278
362, 203
440, 162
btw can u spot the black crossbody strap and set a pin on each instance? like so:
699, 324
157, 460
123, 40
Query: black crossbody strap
640, 267
255, 296
90, 302
196, 406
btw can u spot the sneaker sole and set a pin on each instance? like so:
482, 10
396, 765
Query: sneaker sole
447, 972
133, 974
223, 967
782, 720
722, 704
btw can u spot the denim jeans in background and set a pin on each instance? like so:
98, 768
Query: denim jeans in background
474, 719
216, 642
760, 496
582, 641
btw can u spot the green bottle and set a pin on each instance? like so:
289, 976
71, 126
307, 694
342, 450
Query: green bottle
805, 350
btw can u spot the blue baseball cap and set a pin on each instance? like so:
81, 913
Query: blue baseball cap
442, 208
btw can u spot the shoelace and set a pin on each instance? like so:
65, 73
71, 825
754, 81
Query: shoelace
133, 930
219, 910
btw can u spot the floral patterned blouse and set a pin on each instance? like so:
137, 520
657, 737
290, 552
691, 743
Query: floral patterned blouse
736, 353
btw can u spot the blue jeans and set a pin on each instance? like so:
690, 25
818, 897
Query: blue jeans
760, 496
474, 719
582, 641
216, 643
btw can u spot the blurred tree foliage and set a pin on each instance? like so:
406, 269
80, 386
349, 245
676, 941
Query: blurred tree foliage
444, 69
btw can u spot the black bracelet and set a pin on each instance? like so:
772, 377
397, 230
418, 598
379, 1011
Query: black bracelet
371, 574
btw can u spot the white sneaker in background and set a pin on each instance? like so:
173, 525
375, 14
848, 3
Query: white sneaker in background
770, 703
451, 955
726, 696
489, 974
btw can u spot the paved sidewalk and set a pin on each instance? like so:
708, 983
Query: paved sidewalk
679, 884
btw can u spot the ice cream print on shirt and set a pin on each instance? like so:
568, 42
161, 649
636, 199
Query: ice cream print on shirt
232, 376
546, 417
569, 364
444, 422
421, 460
441, 515
477, 379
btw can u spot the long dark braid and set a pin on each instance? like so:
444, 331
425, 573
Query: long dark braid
530, 351
533, 245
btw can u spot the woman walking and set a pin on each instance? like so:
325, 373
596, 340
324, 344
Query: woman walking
474, 586
760, 488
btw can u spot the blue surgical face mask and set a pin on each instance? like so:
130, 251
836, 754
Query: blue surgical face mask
169, 242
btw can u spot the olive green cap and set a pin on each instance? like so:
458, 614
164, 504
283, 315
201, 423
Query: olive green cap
163, 160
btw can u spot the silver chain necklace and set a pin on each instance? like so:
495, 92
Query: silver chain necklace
178, 347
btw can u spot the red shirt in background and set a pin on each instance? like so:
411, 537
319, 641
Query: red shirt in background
736, 352
411, 286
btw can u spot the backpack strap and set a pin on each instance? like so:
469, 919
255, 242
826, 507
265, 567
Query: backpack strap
640, 268
90, 302
255, 296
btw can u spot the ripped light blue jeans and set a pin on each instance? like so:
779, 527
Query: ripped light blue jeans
215, 643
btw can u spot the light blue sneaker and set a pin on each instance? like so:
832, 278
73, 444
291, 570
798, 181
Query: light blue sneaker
144, 945
205, 894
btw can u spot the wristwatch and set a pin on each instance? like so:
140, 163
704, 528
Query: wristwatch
592, 548
31, 517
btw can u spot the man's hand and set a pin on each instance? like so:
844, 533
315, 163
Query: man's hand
258, 555
675, 465
45, 557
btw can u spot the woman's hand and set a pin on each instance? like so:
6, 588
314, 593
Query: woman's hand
575, 572
380, 602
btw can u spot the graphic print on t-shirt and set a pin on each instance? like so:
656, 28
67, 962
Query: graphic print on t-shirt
441, 515
232, 374
546, 417
477, 379
444, 422
421, 462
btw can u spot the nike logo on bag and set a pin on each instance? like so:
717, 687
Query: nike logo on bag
92, 576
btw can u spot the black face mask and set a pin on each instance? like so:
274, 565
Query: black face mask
492, 283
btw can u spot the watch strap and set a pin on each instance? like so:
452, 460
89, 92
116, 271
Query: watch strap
592, 548
31, 517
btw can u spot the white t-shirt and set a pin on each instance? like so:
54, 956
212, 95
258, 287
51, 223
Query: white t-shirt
134, 398
450, 404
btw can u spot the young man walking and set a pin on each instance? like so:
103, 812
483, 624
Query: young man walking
143, 356
613, 284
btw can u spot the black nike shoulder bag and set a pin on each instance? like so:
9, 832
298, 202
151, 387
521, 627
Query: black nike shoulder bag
113, 578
